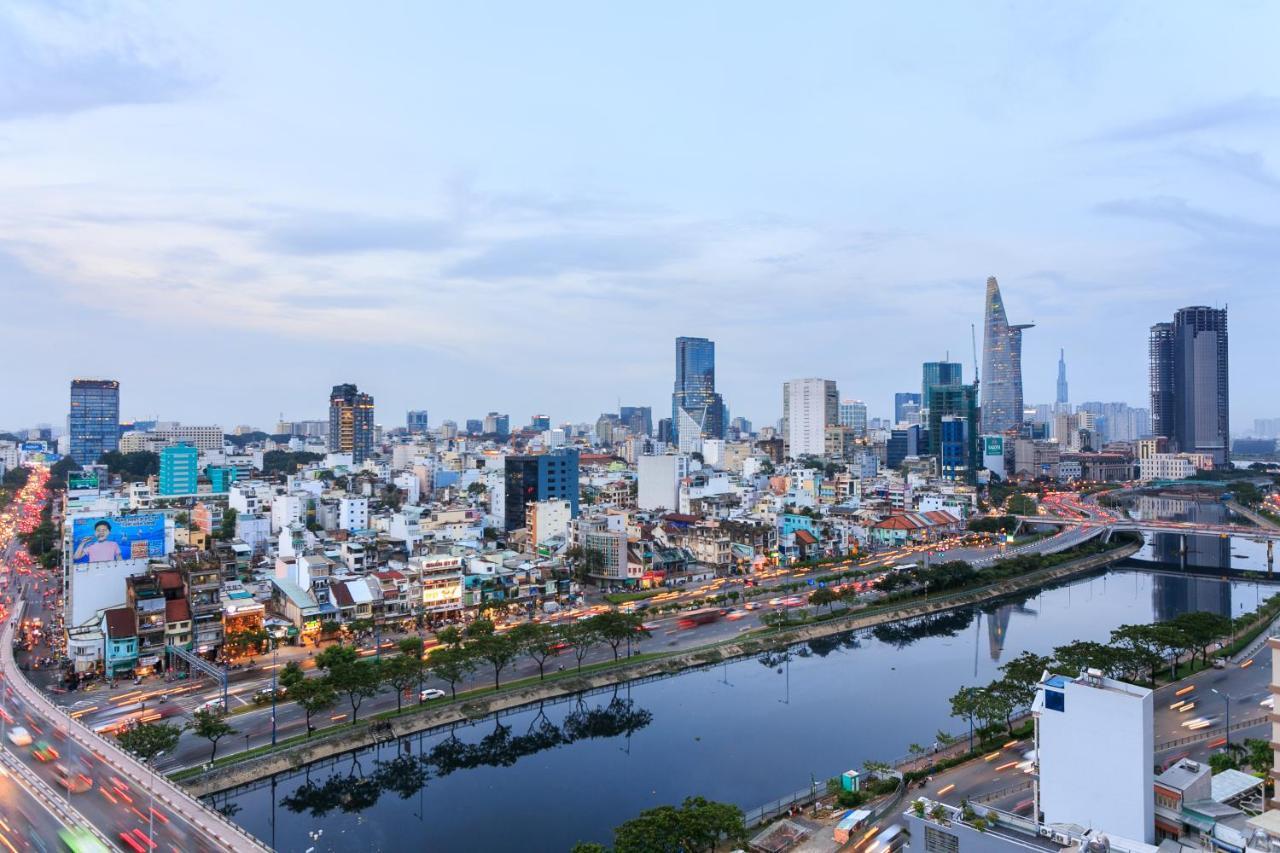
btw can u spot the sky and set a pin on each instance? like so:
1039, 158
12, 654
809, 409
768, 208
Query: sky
465, 207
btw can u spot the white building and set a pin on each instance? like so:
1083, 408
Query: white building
1094, 742
1165, 466
659, 481
809, 406
548, 520
353, 514
204, 438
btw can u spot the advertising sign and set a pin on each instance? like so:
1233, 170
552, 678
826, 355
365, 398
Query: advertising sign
82, 480
993, 445
33, 447
97, 539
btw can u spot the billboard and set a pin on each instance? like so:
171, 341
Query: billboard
98, 539
993, 445
82, 480
34, 447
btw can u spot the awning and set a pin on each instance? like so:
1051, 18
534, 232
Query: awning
148, 660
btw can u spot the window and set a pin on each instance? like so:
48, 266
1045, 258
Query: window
1055, 700
937, 841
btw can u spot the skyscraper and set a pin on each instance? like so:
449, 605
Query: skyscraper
853, 414
1190, 399
546, 476
637, 419
1001, 366
351, 422
809, 406
953, 438
939, 373
901, 400
416, 420
1062, 378
94, 419
697, 411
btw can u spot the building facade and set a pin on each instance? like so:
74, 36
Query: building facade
94, 419
1190, 399
179, 470
1001, 366
542, 477
809, 406
351, 422
695, 405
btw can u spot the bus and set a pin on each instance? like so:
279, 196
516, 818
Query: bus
80, 840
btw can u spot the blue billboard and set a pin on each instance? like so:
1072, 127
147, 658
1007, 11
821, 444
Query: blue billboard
99, 539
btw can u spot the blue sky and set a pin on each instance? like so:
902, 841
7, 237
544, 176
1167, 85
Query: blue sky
463, 207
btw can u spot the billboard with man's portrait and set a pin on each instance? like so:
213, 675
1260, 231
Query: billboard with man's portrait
99, 539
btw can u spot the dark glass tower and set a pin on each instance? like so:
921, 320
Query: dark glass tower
351, 422
547, 476
1190, 397
94, 419
939, 373
1001, 366
694, 395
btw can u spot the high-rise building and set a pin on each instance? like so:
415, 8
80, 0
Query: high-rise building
496, 424
957, 448
1001, 366
540, 423
94, 420
542, 477
1190, 399
809, 406
853, 414
637, 419
179, 470
900, 401
475, 426
416, 421
1062, 378
939, 373
743, 426
695, 405
351, 422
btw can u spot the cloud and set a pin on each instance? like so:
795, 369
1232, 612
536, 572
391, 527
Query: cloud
346, 233
1248, 165
41, 77
1251, 109
557, 254
1176, 211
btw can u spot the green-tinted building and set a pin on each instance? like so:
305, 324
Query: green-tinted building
178, 469
221, 477
958, 453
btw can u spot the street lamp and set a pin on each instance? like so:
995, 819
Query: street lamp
275, 648
1227, 699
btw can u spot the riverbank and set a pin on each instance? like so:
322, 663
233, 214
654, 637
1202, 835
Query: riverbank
239, 769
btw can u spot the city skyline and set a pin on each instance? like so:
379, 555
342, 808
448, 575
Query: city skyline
1105, 194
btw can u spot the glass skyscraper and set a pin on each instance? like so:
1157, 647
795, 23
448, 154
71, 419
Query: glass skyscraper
1001, 366
901, 400
1190, 399
695, 405
939, 373
351, 422
94, 419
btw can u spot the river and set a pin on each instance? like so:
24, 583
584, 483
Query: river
744, 732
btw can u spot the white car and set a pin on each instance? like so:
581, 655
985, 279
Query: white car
18, 736
431, 693
217, 706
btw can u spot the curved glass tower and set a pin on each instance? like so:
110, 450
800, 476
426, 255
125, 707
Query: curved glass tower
1001, 366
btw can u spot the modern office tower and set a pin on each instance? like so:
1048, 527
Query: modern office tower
449, 429
637, 419
695, 405
957, 449
351, 422
546, 476
809, 406
94, 420
179, 470
743, 426
853, 414
939, 373
1001, 366
496, 424
540, 423
1094, 739
475, 426
416, 421
900, 401
665, 431
1062, 378
1190, 399
902, 444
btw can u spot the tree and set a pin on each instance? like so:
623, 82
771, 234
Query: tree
211, 726
228, 528
1082, 654
1260, 754
965, 704
616, 628
695, 827
401, 673
358, 679
1020, 504
478, 629
588, 847
538, 641
449, 636
1140, 649
823, 596
1222, 761
314, 695
148, 740
451, 665
1021, 676
336, 656
291, 676
582, 636
499, 650
1202, 629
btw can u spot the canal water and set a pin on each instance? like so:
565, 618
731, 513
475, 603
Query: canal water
745, 732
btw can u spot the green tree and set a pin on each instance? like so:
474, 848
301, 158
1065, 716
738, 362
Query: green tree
449, 636
228, 529
1260, 754
538, 641
499, 650
1076, 657
1021, 676
359, 680
695, 827
402, 672
478, 629
823, 596
966, 703
291, 676
616, 628
148, 740
1223, 761
1203, 629
451, 665
581, 636
1021, 504
336, 656
314, 695
1140, 649
211, 726
588, 847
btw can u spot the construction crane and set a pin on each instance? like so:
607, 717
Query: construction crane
973, 335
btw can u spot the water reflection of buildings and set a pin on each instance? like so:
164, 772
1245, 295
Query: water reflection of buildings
1173, 595
998, 626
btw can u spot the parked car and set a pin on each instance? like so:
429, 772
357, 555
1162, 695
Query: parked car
431, 693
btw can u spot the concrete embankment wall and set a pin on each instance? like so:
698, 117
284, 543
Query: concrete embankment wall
361, 736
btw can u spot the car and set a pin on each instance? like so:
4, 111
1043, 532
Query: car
263, 696
73, 778
44, 751
216, 705
431, 693
19, 736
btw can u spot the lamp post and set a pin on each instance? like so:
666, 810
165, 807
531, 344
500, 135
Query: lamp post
1227, 699
275, 648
